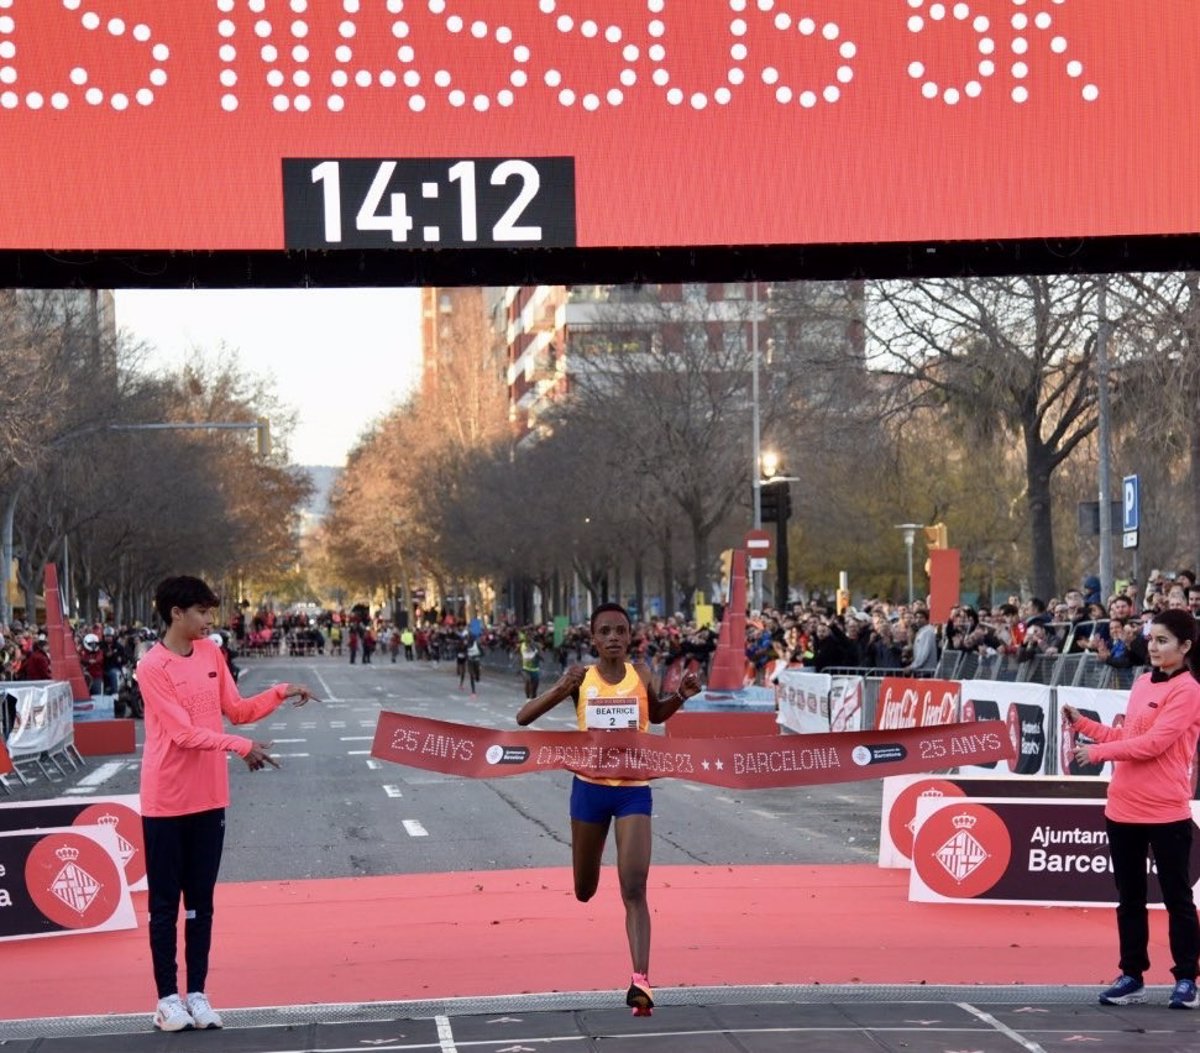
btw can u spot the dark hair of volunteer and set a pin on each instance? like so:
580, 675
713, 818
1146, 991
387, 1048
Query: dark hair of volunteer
186, 688
1149, 805
611, 695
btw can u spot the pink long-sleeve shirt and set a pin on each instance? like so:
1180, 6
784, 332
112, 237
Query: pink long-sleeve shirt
184, 767
1155, 751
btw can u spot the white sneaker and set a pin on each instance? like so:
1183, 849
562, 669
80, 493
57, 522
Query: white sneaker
172, 1015
204, 1015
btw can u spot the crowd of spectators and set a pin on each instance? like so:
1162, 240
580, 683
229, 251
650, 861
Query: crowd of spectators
887, 636
878, 635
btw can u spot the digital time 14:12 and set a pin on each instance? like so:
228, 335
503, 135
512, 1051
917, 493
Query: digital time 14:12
394, 218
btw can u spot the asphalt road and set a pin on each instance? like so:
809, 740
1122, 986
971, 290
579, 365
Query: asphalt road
332, 810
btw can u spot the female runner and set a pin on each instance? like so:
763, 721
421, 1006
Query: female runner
609, 695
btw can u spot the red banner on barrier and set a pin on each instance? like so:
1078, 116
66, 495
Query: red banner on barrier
751, 763
907, 703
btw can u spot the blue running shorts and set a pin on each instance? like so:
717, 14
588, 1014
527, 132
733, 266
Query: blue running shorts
591, 803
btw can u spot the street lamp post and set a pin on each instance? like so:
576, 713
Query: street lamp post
757, 488
910, 534
772, 475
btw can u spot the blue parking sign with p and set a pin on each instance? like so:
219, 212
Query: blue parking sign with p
1129, 504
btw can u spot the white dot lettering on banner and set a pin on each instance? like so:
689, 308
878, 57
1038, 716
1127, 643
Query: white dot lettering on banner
1009, 42
659, 53
589, 30
1022, 24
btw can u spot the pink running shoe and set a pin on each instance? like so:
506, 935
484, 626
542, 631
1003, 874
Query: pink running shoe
639, 997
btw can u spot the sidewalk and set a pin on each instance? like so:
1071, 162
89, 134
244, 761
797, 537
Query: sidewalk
433, 936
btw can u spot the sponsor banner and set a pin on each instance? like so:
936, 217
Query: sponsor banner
1035, 851
898, 817
1027, 710
122, 813
754, 762
810, 703
265, 124
803, 700
846, 703
1107, 707
45, 717
907, 703
61, 882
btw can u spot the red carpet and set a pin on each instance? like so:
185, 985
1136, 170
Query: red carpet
509, 932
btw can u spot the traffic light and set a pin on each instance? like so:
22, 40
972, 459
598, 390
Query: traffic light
263, 428
935, 536
768, 502
775, 502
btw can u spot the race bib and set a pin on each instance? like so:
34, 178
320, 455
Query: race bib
611, 714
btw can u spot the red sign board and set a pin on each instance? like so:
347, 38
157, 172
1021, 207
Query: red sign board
758, 543
264, 124
906, 702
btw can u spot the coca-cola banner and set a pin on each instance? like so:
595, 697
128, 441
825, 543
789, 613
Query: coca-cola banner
1027, 710
898, 817
755, 762
61, 882
1034, 851
265, 124
905, 702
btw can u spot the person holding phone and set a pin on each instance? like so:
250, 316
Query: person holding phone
1149, 806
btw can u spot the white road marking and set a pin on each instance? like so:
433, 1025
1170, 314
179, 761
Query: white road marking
291, 754
308, 725
445, 1034
326, 694
337, 723
356, 738
366, 723
373, 764
392, 790
358, 753
279, 726
415, 829
1004, 1029
100, 775
288, 741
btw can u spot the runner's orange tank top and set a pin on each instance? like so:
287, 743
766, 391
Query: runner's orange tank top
602, 706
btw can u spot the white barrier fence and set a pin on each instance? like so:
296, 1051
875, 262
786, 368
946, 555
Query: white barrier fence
812, 703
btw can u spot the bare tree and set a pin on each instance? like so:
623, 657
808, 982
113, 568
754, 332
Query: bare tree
1003, 357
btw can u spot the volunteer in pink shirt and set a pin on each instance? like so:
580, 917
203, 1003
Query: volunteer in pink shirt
186, 687
1149, 807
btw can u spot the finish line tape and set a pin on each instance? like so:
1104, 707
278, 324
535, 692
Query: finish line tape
756, 762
